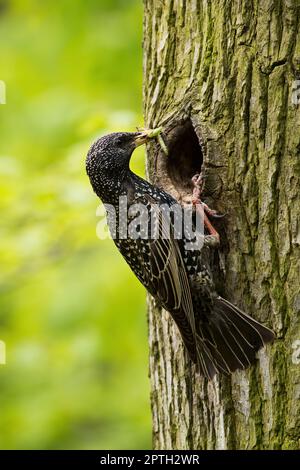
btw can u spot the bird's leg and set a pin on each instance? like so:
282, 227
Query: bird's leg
203, 210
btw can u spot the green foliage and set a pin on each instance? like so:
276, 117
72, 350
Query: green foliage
71, 313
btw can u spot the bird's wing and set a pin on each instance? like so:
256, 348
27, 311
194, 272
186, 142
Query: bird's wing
165, 274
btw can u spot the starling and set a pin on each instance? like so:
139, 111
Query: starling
218, 336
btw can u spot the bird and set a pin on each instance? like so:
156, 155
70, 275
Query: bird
218, 336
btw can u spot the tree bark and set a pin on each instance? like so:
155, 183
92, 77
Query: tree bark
227, 72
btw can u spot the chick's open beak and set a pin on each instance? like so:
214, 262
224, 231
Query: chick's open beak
145, 135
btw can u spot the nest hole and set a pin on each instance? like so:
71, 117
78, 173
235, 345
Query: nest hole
185, 159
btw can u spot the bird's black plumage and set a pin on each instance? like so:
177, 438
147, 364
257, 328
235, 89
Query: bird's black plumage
217, 335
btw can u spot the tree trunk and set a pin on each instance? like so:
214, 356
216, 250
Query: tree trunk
222, 77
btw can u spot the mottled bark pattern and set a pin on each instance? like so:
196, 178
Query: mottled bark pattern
231, 66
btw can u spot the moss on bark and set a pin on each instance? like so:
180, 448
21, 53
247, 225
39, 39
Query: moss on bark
230, 67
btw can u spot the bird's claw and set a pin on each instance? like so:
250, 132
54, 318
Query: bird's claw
213, 239
215, 215
211, 212
197, 181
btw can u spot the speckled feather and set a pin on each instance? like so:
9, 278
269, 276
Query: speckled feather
217, 335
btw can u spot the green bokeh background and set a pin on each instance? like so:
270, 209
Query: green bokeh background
71, 313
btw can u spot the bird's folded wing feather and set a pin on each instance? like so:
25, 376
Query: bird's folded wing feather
165, 275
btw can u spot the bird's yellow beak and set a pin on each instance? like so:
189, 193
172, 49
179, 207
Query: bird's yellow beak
145, 135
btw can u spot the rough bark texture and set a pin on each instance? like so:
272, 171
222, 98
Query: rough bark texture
226, 70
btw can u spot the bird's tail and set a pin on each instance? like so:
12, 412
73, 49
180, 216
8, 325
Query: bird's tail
228, 339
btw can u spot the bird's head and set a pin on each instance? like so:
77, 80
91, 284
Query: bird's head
107, 161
